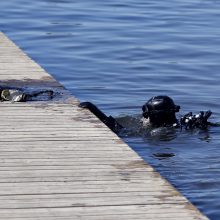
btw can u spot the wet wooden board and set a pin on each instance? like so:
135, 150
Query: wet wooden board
59, 162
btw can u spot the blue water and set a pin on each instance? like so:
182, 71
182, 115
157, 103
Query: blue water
118, 54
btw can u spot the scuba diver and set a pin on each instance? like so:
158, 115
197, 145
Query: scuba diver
159, 111
18, 95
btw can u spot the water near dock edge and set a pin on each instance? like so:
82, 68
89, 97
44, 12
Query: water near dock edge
118, 54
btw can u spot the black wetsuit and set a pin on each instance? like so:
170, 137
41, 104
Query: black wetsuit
188, 121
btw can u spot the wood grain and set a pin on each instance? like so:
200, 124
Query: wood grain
59, 162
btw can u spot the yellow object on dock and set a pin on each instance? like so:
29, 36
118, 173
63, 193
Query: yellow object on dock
59, 162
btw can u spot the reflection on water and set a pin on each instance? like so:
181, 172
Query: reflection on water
161, 156
119, 54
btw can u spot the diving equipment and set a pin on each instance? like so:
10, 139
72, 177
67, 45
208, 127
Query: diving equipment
18, 95
190, 121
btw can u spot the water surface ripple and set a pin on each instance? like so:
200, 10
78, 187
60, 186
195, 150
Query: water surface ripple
118, 54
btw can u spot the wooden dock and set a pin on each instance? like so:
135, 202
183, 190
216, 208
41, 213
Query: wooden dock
59, 162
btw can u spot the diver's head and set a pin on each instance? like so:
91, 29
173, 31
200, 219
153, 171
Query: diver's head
160, 110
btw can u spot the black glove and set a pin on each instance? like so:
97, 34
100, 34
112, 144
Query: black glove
190, 121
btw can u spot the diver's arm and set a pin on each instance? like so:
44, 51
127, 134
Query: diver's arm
107, 120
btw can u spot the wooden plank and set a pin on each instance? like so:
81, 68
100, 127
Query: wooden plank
59, 162
100, 212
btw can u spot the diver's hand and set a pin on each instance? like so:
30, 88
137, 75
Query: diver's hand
190, 121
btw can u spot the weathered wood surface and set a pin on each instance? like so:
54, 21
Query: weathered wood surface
60, 162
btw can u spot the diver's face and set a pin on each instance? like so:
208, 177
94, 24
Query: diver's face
162, 119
